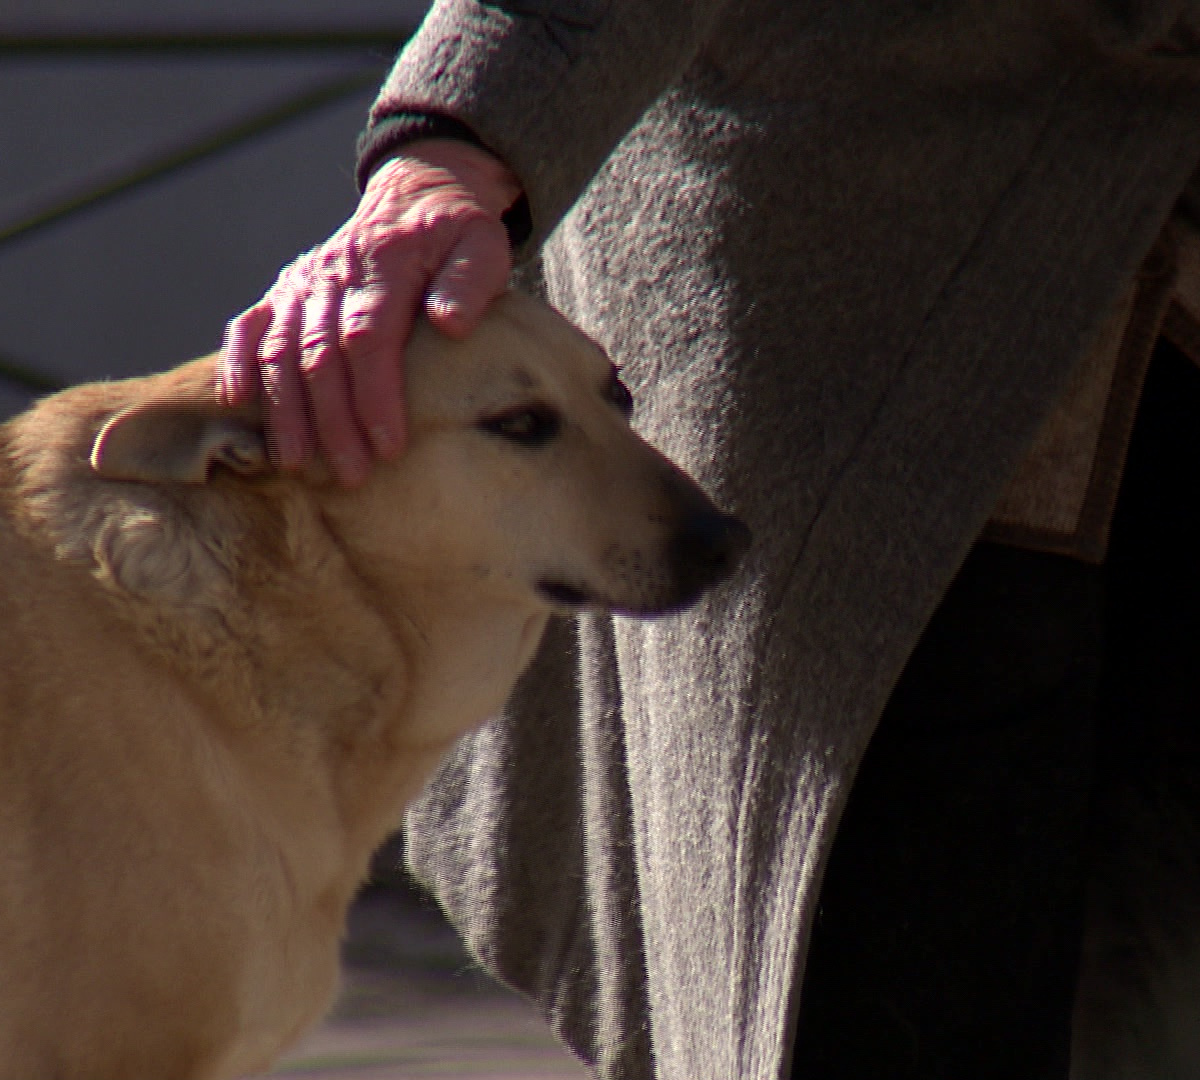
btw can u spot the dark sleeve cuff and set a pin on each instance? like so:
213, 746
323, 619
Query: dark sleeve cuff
383, 138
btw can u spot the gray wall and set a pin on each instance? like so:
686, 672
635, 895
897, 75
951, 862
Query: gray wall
146, 278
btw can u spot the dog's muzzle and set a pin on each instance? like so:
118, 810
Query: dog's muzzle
701, 550
705, 550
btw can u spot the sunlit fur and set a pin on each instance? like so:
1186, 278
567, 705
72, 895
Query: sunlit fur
220, 685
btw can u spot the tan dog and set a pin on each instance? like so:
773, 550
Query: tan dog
219, 685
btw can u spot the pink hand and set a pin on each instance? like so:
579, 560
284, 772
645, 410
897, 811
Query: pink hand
327, 340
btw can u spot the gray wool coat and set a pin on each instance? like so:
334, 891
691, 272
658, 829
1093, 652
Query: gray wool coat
847, 252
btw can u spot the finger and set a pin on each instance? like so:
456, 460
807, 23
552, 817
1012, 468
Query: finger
237, 370
376, 323
473, 275
328, 388
289, 434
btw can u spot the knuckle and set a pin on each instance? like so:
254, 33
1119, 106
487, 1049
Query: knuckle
314, 271
318, 358
429, 225
274, 352
392, 245
438, 224
359, 332
394, 259
330, 265
247, 323
290, 278
277, 345
362, 316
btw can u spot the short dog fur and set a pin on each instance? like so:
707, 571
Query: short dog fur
220, 684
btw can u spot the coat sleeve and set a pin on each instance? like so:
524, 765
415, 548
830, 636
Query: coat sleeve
550, 86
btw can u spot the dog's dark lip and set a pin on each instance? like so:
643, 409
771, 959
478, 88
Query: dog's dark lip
561, 594
576, 600
656, 610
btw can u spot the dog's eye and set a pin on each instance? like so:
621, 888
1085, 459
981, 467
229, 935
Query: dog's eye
618, 393
531, 425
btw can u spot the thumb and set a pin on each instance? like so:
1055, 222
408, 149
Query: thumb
472, 275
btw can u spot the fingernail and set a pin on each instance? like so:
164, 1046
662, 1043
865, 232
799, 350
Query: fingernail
443, 306
227, 385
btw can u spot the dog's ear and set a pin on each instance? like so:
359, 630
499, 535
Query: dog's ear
181, 442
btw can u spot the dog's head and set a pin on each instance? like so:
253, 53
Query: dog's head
522, 478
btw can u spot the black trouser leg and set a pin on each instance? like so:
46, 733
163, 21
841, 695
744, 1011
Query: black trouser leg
1152, 714
1138, 1007
947, 940
950, 918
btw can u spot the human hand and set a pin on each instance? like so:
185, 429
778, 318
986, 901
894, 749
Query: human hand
326, 341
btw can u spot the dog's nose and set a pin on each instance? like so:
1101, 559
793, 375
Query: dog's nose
707, 547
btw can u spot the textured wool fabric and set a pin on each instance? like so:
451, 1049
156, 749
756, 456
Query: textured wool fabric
1062, 496
1050, 487
847, 254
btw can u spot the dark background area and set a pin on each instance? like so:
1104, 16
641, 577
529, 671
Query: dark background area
161, 162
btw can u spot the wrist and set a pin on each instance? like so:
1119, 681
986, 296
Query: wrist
481, 173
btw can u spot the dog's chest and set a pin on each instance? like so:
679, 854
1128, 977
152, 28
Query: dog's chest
286, 986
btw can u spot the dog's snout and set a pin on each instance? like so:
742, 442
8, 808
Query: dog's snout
706, 548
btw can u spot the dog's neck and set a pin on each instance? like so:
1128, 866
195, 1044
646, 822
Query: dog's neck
430, 665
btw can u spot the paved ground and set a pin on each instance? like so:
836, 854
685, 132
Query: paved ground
413, 1007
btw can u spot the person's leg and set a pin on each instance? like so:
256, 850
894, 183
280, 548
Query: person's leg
946, 944
1141, 973
1153, 681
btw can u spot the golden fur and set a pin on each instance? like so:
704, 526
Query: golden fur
220, 685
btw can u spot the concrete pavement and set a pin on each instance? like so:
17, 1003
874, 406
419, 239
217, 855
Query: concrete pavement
413, 1007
